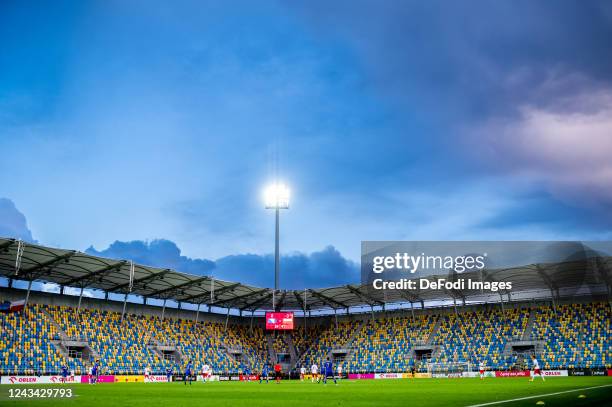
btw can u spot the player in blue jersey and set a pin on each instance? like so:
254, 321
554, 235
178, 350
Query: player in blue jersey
188, 373
328, 371
98, 370
94, 373
65, 373
169, 374
265, 373
246, 373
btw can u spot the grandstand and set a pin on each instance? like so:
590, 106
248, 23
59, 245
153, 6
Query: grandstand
55, 329
40, 340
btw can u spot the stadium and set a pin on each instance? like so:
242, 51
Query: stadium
409, 341
335, 203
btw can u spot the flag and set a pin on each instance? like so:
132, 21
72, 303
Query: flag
12, 306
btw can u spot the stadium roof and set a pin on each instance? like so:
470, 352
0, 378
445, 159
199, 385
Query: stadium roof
31, 262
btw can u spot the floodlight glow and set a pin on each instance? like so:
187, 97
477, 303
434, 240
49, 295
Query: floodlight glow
277, 197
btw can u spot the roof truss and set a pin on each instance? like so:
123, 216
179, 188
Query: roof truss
98, 273
329, 301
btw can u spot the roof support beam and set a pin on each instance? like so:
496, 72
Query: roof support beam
48, 264
101, 271
255, 304
485, 275
280, 302
225, 289
327, 299
409, 296
193, 297
363, 296
300, 300
178, 287
217, 291
6, 245
549, 282
217, 302
150, 277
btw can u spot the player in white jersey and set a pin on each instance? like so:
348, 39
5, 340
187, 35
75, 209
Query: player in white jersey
302, 373
205, 373
481, 369
339, 371
147, 373
314, 371
536, 369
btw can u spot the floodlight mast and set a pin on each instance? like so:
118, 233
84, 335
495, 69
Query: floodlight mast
277, 198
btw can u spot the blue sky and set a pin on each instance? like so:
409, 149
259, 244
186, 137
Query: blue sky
157, 125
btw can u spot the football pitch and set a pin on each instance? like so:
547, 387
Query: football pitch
591, 391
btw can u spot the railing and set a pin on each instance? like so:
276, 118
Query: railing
8, 334
75, 339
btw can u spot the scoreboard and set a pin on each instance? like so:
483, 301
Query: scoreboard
279, 321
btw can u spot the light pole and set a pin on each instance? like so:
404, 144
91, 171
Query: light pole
277, 198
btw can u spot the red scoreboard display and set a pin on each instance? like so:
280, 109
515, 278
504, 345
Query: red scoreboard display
279, 321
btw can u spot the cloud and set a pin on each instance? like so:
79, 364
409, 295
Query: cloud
157, 253
50, 288
325, 268
55, 289
298, 270
454, 58
565, 146
344, 99
13, 223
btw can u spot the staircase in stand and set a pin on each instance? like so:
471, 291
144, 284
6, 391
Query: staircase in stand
529, 327
349, 344
159, 349
59, 344
271, 351
64, 340
289, 341
434, 331
300, 359
60, 331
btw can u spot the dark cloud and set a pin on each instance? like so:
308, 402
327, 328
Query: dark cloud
469, 59
490, 76
323, 268
157, 253
539, 209
13, 223
357, 104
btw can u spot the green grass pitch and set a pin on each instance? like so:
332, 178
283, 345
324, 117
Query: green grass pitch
401, 392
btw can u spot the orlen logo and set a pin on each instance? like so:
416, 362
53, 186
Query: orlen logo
60, 379
14, 379
389, 376
552, 373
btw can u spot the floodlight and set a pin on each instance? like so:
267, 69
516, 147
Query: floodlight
277, 196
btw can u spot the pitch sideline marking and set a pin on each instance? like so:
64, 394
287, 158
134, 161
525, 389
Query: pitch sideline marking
535, 397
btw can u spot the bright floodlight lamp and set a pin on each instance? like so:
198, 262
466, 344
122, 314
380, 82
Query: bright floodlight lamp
277, 198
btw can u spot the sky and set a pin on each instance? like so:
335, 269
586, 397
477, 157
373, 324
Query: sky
148, 129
